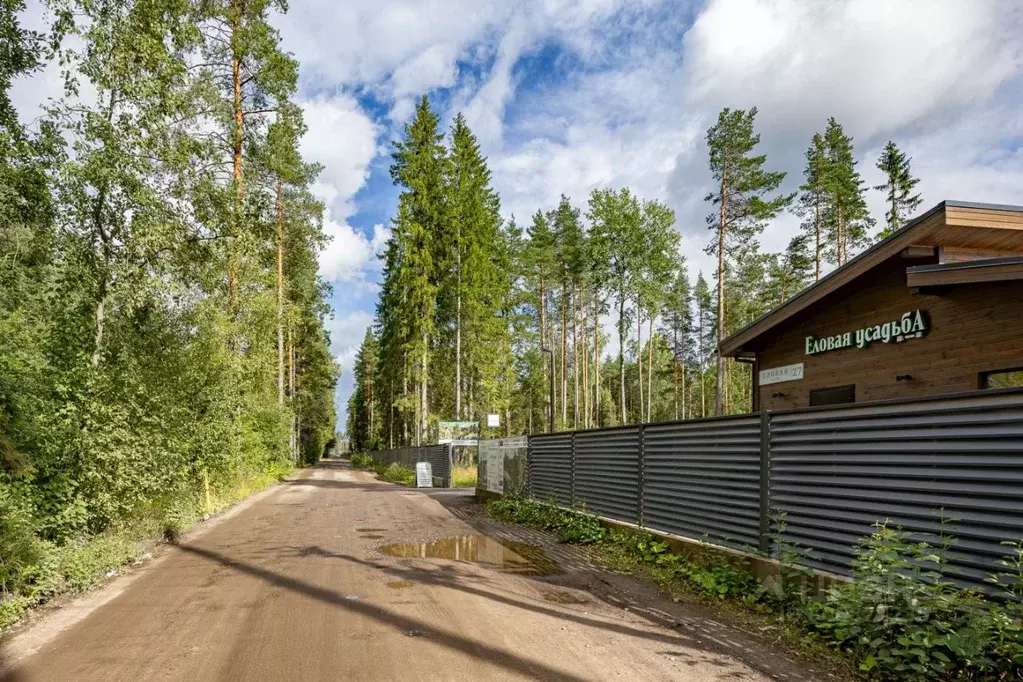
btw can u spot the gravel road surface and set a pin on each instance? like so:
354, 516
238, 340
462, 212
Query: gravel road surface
335, 576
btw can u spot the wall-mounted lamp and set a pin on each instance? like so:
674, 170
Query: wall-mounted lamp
779, 395
904, 377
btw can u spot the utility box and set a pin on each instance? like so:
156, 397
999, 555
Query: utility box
424, 475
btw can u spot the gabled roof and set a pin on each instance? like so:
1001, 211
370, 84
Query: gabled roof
993, 228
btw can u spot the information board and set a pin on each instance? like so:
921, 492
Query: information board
424, 475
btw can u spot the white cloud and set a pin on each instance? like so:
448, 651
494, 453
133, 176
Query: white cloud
346, 333
343, 139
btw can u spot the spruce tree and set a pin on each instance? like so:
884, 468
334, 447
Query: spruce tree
418, 167
898, 188
743, 208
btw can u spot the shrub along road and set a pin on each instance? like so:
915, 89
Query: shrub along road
322, 578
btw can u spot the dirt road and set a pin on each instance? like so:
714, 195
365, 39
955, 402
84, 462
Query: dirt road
323, 578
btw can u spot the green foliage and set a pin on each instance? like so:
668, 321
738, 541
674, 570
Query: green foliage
464, 477
904, 620
395, 473
144, 322
361, 460
898, 188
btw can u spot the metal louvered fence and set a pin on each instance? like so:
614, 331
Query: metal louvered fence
439, 457
950, 464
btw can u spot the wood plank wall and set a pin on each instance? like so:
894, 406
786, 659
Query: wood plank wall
973, 328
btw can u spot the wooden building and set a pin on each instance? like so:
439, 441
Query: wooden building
935, 308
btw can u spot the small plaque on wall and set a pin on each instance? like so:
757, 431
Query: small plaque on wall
776, 375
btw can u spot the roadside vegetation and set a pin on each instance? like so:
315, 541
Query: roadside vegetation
464, 476
900, 618
162, 342
392, 473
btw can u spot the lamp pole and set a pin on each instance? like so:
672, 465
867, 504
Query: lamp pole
551, 401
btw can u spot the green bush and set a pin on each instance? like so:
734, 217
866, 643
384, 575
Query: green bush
900, 618
395, 473
361, 460
904, 620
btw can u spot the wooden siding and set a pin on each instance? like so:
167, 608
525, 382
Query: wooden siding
973, 329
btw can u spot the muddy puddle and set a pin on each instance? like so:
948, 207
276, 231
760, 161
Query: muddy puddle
565, 598
400, 584
502, 555
370, 530
370, 536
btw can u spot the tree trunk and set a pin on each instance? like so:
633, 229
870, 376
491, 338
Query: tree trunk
423, 404
683, 389
720, 393
280, 294
575, 359
817, 237
458, 323
596, 364
639, 358
674, 380
542, 311
101, 305
585, 359
621, 352
239, 130
564, 356
650, 373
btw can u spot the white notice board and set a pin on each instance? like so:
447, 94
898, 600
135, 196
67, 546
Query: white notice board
424, 475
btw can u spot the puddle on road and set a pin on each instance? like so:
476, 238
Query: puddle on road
370, 530
503, 555
370, 537
400, 584
565, 598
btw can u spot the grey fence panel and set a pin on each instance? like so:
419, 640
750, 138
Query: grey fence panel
834, 472
702, 477
439, 457
607, 472
550, 467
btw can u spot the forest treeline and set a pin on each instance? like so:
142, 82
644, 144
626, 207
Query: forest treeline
161, 316
471, 303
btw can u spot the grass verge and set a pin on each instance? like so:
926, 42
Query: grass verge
464, 477
899, 619
80, 565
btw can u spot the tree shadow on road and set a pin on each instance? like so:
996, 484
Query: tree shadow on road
468, 647
706, 636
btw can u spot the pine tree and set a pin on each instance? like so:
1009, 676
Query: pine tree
677, 328
849, 220
743, 208
898, 188
706, 334
812, 205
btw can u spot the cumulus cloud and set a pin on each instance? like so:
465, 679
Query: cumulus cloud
343, 139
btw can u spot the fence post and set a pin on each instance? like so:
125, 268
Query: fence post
571, 468
765, 480
641, 467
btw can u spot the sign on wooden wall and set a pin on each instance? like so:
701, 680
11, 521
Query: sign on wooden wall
776, 375
912, 325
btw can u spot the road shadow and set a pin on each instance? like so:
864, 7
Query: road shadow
477, 650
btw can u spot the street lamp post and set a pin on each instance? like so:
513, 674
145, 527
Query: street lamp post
551, 401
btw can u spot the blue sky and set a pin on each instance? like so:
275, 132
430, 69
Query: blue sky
570, 95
